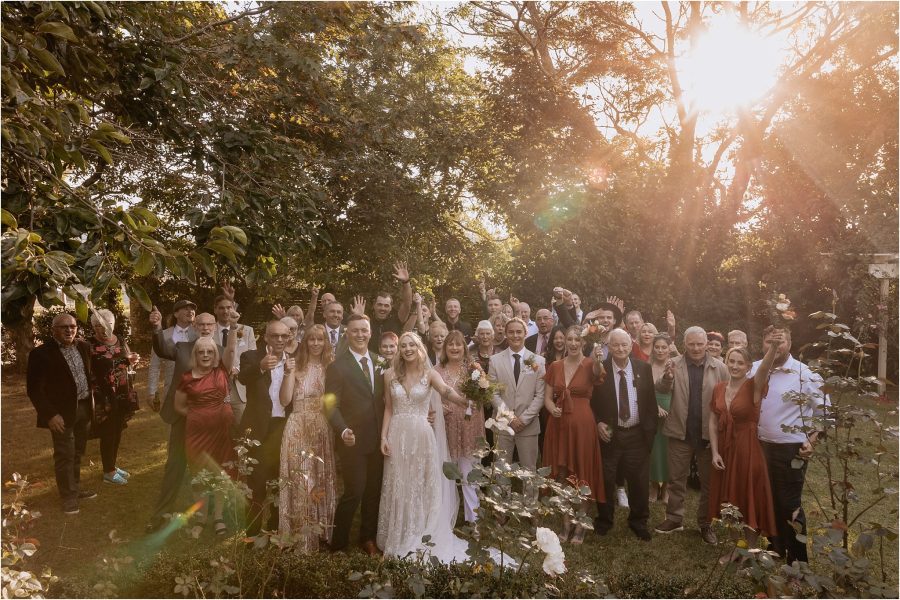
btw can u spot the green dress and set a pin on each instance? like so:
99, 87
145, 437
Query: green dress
659, 470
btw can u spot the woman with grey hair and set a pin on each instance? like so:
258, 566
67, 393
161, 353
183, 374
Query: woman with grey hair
115, 400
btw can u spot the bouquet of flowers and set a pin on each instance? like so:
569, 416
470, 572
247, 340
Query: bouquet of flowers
592, 332
781, 313
478, 388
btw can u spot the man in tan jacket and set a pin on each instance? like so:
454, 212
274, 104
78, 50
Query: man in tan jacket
691, 379
521, 373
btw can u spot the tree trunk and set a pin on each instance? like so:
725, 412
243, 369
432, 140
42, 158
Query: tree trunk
21, 335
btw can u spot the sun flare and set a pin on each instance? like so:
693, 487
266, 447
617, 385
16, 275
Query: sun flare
728, 67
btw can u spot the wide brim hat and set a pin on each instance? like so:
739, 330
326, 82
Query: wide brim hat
617, 312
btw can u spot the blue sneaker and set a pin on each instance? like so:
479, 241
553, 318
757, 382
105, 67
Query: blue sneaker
123, 473
114, 479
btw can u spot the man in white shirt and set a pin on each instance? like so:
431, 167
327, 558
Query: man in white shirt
524, 313
781, 447
262, 371
223, 306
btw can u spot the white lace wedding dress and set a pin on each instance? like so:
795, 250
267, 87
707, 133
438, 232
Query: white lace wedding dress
416, 499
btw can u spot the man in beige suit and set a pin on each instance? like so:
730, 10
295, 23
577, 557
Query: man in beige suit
521, 373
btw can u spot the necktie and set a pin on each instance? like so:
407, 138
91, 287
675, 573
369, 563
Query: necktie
224, 337
624, 405
517, 368
333, 338
543, 346
364, 361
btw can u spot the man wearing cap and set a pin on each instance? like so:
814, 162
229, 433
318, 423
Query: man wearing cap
182, 331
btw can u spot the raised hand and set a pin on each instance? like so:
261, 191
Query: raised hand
155, 318
269, 362
359, 305
617, 301
290, 364
417, 299
670, 319
482, 289
514, 302
228, 290
278, 311
401, 273
233, 318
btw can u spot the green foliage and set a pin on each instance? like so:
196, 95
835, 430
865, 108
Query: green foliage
17, 548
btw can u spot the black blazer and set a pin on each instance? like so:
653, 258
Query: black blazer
258, 412
605, 404
50, 385
350, 402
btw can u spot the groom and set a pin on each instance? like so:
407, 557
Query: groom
521, 374
354, 405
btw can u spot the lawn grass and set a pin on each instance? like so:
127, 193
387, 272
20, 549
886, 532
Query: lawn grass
73, 546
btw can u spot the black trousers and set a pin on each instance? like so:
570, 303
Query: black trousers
68, 448
268, 468
787, 490
110, 437
362, 483
627, 455
173, 474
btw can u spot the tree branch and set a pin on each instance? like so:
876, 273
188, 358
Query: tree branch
208, 26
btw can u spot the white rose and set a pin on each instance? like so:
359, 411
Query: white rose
782, 306
547, 540
476, 375
483, 383
554, 564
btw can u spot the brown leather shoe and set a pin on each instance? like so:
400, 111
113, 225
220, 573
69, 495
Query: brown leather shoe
371, 549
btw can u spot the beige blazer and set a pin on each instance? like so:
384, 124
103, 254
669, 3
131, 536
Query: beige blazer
675, 424
524, 399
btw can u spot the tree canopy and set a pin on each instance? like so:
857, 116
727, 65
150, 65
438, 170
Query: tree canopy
296, 144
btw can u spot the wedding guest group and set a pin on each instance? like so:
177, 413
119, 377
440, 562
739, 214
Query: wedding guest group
346, 411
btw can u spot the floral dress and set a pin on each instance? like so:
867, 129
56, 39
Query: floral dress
114, 386
462, 432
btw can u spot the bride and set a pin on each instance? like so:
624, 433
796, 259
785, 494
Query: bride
416, 499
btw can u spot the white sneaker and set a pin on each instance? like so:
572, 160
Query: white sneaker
621, 497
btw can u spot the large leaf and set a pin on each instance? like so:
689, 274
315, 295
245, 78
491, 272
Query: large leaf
60, 30
137, 292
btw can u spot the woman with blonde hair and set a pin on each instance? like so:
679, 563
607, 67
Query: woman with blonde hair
203, 398
416, 499
114, 398
307, 456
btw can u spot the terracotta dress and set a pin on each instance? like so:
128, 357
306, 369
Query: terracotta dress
208, 442
745, 480
307, 464
571, 441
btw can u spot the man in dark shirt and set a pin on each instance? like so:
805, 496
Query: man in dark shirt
452, 309
383, 320
691, 379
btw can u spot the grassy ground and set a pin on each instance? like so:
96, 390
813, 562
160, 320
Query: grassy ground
74, 545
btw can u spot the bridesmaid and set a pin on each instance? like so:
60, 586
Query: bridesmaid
572, 445
462, 431
202, 397
307, 456
739, 475
112, 362
659, 468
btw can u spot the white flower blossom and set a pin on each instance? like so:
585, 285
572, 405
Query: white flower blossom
782, 306
548, 542
476, 374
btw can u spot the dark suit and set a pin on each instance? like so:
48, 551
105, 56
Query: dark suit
52, 389
461, 326
265, 428
356, 406
628, 452
176, 458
